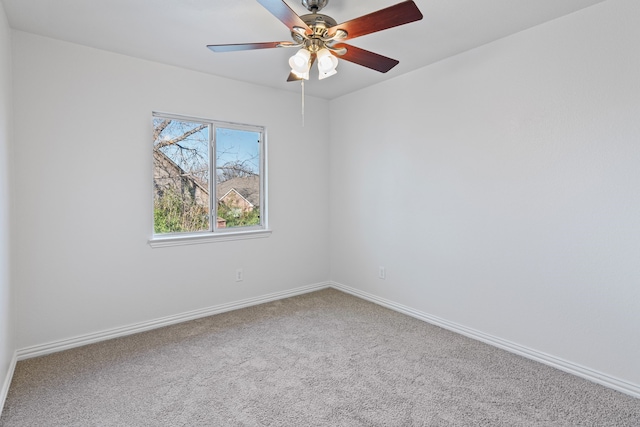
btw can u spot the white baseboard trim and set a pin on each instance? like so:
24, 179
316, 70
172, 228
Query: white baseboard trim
7, 381
547, 359
65, 344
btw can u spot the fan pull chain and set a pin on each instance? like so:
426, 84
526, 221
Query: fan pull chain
302, 102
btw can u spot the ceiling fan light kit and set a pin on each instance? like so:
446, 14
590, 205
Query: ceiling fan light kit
300, 62
320, 38
327, 63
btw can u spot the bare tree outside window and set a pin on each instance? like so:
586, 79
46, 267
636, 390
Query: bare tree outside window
185, 198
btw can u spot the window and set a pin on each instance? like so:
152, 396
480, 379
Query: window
208, 180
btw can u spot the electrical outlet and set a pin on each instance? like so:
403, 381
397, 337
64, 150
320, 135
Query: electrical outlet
239, 275
382, 272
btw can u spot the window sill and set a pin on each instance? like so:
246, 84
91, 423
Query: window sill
195, 239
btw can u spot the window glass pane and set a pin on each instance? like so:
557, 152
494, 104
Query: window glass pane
180, 175
237, 177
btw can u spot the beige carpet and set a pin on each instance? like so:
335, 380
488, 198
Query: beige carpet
321, 359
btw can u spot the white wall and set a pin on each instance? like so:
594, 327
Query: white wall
82, 183
7, 345
500, 188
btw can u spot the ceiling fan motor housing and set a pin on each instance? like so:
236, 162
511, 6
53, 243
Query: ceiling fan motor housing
314, 5
319, 24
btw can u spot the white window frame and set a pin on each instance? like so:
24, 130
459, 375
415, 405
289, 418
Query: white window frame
215, 234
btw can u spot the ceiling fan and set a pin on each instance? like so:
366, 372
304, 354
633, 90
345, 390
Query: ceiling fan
320, 38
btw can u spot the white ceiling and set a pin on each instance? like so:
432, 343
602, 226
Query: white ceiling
176, 32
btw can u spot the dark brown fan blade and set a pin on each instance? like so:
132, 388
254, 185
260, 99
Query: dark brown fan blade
285, 14
393, 16
245, 46
366, 58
